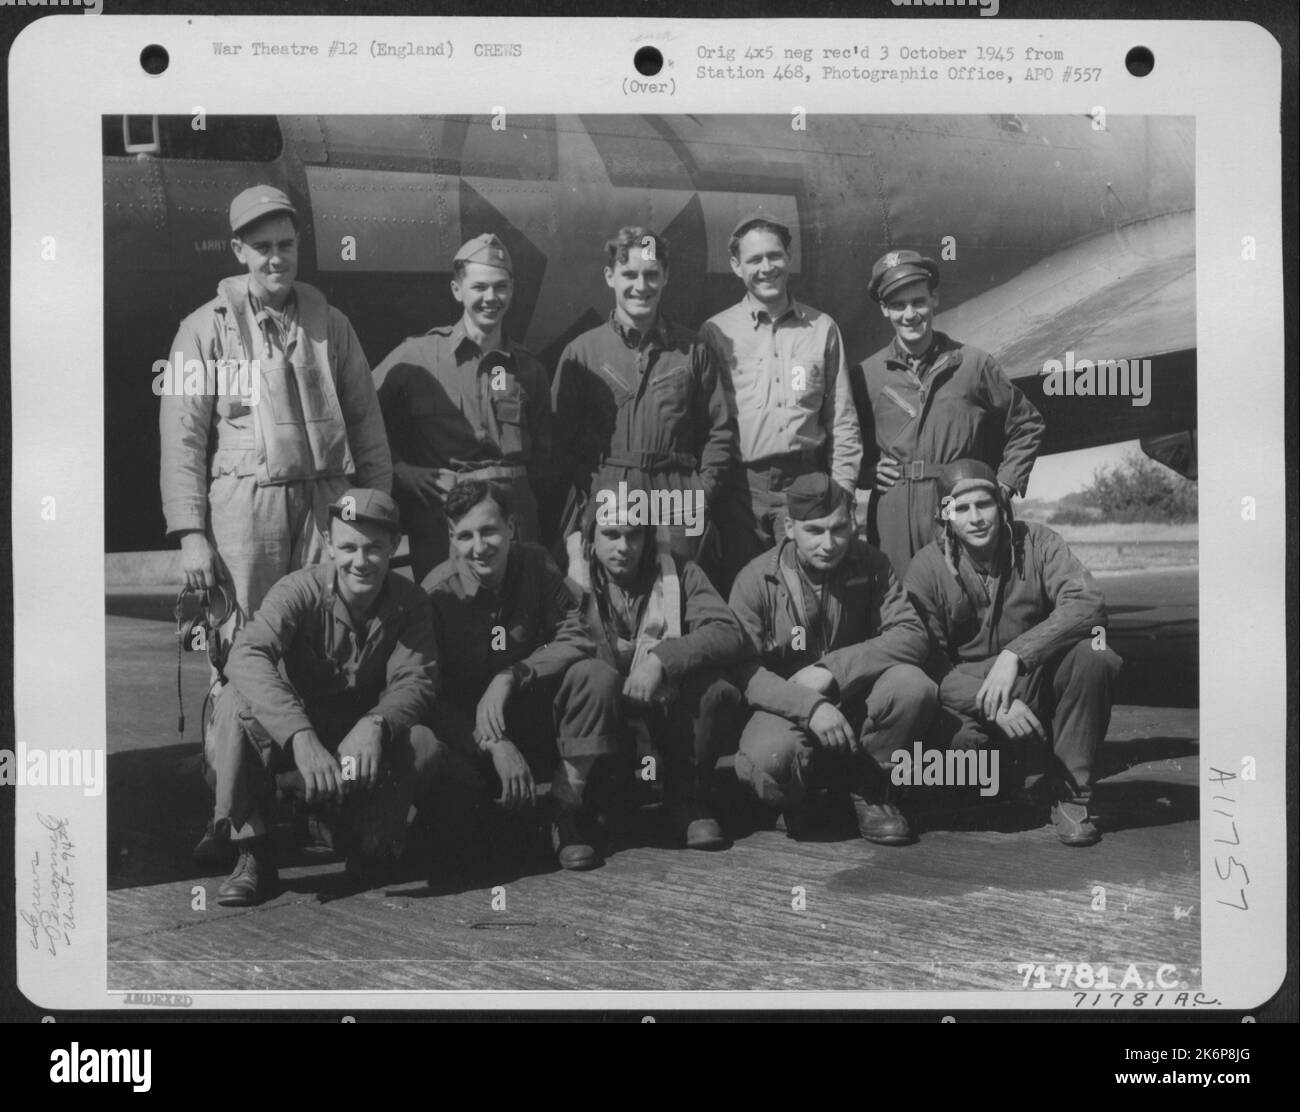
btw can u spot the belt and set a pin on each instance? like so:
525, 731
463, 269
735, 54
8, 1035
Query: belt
652, 461
918, 471
806, 458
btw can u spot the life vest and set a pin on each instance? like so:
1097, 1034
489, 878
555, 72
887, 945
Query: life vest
298, 426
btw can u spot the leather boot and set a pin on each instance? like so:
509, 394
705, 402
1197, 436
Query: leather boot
214, 848
254, 879
689, 805
1075, 824
880, 819
573, 840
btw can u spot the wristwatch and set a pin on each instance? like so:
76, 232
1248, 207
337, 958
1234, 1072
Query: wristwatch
383, 725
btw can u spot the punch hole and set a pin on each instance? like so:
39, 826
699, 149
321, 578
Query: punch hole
648, 61
1140, 61
154, 59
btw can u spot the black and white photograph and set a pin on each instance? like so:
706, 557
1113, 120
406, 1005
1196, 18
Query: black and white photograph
642, 552
648, 519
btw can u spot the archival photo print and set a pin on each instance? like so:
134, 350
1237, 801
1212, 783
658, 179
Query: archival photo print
651, 552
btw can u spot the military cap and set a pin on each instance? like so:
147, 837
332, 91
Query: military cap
897, 268
758, 216
813, 496
486, 248
256, 202
964, 475
364, 504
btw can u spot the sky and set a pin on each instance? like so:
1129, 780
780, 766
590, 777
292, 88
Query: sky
1055, 476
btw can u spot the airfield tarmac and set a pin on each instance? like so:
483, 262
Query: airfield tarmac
986, 890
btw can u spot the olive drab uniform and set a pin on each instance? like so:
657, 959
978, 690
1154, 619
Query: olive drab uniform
953, 402
1041, 604
648, 409
858, 625
673, 611
470, 414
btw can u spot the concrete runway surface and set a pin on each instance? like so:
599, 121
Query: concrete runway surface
985, 892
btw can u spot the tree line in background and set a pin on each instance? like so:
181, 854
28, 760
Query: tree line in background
1135, 489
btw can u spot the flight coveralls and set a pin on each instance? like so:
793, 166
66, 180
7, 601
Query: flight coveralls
859, 626
304, 663
794, 407
470, 414
674, 612
1048, 612
648, 409
563, 712
259, 479
955, 403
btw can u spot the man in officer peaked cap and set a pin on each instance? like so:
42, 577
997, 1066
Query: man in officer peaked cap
926, 400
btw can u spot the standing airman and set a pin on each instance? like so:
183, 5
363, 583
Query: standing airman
783, 364
248, 477
465, 402
926, 400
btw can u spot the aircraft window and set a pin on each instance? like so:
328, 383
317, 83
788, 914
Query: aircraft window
140, 134
220, 139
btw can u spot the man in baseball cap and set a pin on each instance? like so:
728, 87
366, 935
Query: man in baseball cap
926, 400
1016, 624
246, 479
783, 364
331, 679
465, 402
258, 201
838, 684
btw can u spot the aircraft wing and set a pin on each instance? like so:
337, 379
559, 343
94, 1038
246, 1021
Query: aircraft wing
1129, 294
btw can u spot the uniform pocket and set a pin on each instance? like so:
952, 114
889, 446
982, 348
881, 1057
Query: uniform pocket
508, 409
808, 384
671, 389
317, 401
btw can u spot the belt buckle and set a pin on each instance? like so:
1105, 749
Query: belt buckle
916, 470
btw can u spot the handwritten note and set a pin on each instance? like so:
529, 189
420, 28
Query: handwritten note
51, 916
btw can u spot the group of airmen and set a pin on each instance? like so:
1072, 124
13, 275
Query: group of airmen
772, 626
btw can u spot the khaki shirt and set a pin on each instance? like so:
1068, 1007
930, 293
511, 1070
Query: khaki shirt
447, 404
790, 383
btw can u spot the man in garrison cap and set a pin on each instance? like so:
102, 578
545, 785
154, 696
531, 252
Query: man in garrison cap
281, 417
1017, 632
782, 363
838, 684
926, 400
331, 679
465, 401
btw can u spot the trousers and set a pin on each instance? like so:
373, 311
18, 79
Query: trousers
261, 533
563, 729
1070, 694
242, 762
779, 760
690, 733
